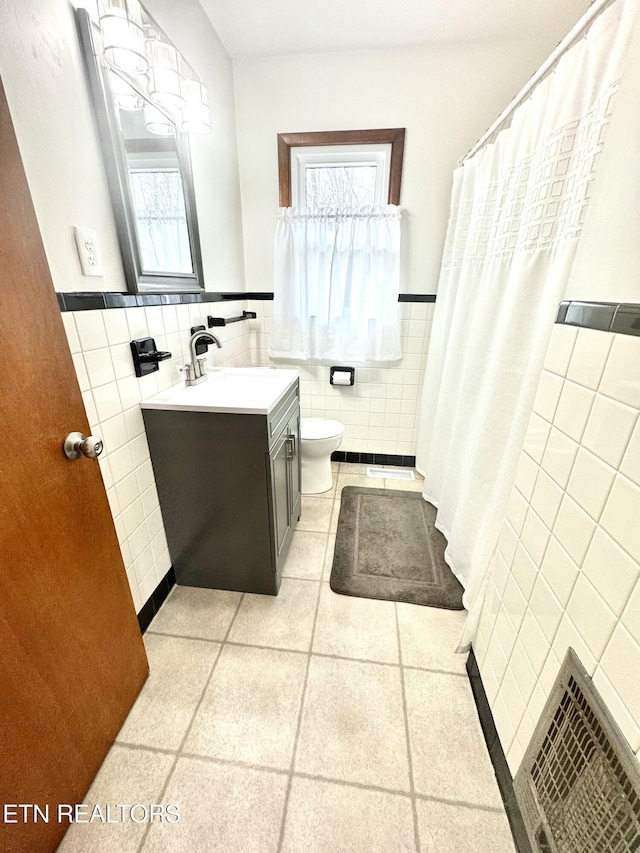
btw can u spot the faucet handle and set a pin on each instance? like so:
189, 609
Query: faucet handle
201, 365
189, 372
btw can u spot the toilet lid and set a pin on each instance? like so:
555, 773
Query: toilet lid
320, 428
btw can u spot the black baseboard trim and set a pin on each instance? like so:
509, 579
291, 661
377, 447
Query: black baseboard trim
157, 599
374, 458
498, 759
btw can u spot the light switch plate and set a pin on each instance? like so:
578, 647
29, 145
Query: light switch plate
87, 245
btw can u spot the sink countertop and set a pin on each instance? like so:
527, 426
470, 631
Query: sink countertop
235, 390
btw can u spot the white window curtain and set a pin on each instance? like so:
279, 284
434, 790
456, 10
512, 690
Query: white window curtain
336, 285
517, 215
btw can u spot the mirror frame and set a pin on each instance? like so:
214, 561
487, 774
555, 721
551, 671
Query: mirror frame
114, 154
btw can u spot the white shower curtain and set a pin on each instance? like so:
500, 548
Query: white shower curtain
517, 213
336, 284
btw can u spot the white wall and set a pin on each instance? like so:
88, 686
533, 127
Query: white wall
42, 72
445, 96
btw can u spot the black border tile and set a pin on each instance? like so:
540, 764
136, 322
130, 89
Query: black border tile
146, 615
90, 301
120, 300
417, 297
156, 600
590, 315
265, 297
623, 318
83, 301
373, 458
497, 756
627, 320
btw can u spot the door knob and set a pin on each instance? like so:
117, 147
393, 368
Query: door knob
77, 445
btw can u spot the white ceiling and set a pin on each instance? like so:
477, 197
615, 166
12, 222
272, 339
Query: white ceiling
280, 27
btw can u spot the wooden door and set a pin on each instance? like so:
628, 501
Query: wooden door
72, 659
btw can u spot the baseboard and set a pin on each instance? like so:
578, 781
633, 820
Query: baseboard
155, 602
498, 759
374, 458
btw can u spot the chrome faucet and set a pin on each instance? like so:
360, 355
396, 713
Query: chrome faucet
196, 370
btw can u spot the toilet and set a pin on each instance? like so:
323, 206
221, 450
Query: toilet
318, 439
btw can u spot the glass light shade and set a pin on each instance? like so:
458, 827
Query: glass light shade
156, 122
124, 97
123, 36
195, 114
164, 75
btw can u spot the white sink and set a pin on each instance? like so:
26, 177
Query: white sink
238, 390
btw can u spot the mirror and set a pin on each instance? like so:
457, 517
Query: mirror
150, 178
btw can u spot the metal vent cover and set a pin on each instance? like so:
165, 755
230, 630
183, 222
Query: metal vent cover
578, 786
390, 474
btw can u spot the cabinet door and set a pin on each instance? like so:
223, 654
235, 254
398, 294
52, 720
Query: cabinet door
293, 440
280, 491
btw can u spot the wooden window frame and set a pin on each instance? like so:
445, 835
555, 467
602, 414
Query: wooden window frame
393, 136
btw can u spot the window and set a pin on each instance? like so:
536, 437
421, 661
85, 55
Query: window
338, 169
337, 247
343, 176
160, 214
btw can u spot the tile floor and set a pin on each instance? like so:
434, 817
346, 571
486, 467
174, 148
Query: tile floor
309, 721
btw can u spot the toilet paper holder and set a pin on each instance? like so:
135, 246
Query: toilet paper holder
342, 375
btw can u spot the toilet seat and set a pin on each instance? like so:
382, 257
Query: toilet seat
319, 428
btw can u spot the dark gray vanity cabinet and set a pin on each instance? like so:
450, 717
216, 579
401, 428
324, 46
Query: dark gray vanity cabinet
229, 489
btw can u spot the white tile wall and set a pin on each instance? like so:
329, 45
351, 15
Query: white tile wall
381, 411
567, 569
99, 343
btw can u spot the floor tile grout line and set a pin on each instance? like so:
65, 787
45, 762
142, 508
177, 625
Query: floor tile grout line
301, 711
125, 744
429, 798
329, 655
314, 777
412, 786
396, 792
178, 753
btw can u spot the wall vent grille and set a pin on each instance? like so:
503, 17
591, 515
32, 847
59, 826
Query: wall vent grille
579, 783
390, 474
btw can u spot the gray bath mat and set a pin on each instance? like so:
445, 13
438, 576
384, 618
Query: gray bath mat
388, 547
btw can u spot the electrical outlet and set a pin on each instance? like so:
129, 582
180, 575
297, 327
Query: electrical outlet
88, 251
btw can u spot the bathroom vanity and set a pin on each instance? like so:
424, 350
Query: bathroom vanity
225, 455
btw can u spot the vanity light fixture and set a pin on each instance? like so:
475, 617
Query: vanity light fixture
147, 65
125, 98
165, 86
156, 121
195, 114
123, 35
